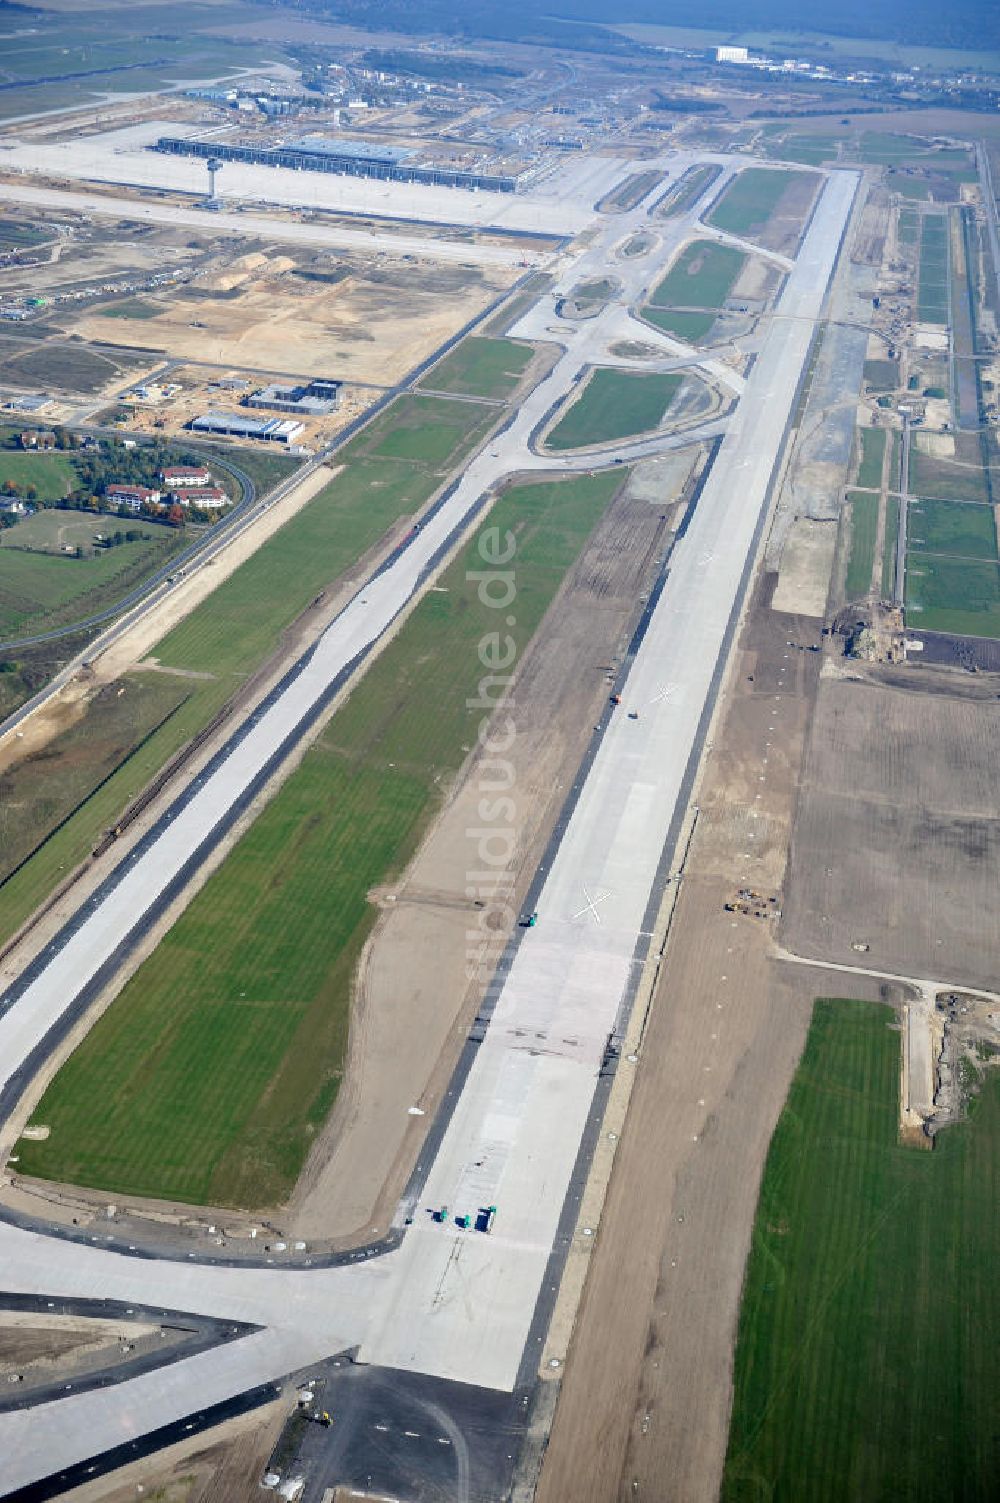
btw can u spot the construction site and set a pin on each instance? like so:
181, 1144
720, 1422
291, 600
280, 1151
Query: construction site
681, 429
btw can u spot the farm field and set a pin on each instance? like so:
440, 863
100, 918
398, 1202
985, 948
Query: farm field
884, 149
952, 527
899, 780
872, 455
702, 277
864, 523
240, 623
957, 477
865, 1364
614, 404
952, 595
759, 195
882, 375
41, 590
932, 294
219, 1093
481, 367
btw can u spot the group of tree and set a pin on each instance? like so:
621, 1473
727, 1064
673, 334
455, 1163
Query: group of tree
110, 463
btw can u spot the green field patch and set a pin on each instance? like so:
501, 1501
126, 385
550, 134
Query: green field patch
866, 1356
861, 559
871, 458
42, 587
615, 404
702, 277
51, 474
958, 478
889, 548
881, 148
684, 323
14, 232
750, 199
908, 226
419, 428
480, 367
209, 1076
811, 151
135, 307
951, 595
916, 189
956, 527
882, 375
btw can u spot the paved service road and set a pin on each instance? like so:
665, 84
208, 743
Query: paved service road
445, 1303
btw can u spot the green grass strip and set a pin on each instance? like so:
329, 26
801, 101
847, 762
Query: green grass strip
872, 455
481, 367
866, 1358
864, 526
889, 548
208, 1078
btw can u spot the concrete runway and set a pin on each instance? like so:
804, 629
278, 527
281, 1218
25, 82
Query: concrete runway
444, 1303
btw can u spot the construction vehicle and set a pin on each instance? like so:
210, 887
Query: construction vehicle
528, 921
485, 1219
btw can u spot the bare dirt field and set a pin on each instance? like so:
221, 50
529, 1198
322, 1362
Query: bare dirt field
806, 566
415, 968
898, 828
372, 323
644, 1407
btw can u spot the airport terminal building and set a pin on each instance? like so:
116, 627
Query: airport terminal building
350, 158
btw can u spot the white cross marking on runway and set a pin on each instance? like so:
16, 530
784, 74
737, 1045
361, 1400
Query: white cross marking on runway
667, 692
591, 904
707, 558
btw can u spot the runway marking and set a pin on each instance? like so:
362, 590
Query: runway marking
591, 904
667, 692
